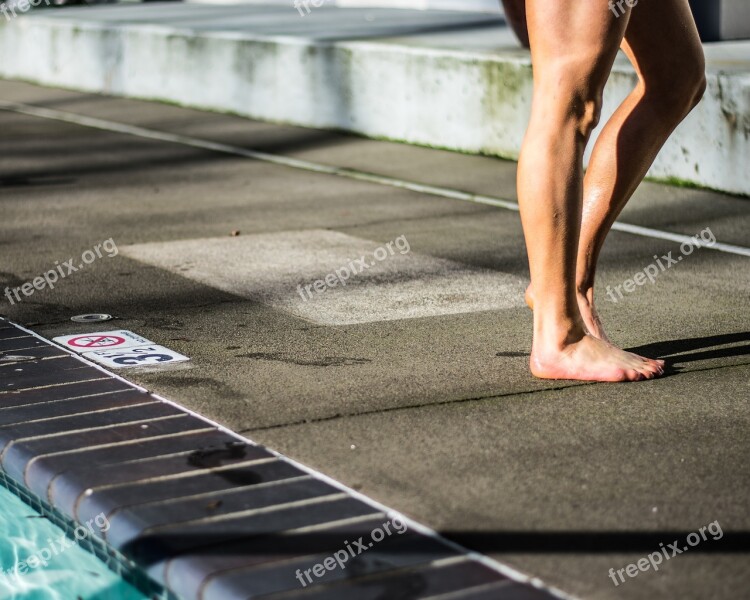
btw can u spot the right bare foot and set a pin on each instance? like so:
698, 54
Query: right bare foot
590, 359
593, 323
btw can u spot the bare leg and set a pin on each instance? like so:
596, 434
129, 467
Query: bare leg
663, 44
573, 46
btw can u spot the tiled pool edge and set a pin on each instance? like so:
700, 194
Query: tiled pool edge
504, 573
114, 560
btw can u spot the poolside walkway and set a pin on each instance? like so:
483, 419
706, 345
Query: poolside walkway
218, 220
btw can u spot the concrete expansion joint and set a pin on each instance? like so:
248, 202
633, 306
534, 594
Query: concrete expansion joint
410, 407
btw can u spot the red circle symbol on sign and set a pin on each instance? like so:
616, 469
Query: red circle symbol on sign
96, 341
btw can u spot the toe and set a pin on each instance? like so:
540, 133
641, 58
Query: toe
657, 367
634, 375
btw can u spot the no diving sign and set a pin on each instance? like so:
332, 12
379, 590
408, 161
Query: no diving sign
103, 340
119, 349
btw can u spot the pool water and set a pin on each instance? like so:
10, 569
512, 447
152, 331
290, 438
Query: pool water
71, 573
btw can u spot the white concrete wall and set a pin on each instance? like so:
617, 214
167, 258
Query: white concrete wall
469, 101
463, 5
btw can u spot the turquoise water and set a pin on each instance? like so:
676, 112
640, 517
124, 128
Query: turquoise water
71, 572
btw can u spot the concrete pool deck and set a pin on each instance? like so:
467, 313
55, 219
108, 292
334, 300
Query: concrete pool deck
434, 415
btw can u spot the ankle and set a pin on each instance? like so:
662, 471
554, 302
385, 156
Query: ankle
556, 332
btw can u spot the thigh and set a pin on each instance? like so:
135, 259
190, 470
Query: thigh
662, 42
578, 36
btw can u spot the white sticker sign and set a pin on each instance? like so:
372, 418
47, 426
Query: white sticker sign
102, 340
139, 356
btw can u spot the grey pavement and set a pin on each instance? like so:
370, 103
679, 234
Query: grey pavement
436, 414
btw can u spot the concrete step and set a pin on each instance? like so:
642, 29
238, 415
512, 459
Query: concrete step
455, 80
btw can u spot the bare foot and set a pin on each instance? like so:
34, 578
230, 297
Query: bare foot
589, 359
592, 321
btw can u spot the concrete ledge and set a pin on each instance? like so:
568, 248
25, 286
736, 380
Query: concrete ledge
437, 78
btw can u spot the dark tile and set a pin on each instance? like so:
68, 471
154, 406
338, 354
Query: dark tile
62, 392
70, 487
265, 570
111, 500
419, 582
41, 352
9, 331
198, 573
156, 546
62, 478
65, 370
68, 408
55, 428
27, 370
18, 455
128, 523
59, 467
20, 341
116, 455
40, 367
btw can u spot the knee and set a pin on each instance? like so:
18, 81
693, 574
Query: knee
577, 100
677, 93
688, 90
695, 78
586, 110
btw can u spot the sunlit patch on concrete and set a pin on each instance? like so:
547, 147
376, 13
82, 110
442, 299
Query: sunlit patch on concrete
277, 268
